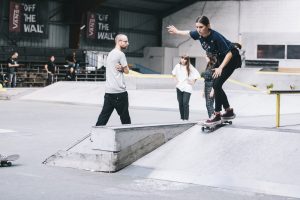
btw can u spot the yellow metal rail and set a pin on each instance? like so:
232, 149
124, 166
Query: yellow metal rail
278, 93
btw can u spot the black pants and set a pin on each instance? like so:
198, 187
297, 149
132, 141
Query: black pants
220, 96
118, 101
50, 79
183, 101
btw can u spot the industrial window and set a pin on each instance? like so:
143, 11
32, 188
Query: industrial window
293, 51
270, 51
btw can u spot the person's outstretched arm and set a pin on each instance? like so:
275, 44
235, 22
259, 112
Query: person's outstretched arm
173, 30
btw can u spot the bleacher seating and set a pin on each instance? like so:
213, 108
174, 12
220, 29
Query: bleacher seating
33, 55
32, 72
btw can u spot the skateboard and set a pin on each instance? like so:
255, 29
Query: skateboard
212, 127
6, 160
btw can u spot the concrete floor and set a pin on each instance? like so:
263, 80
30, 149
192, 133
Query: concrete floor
36, 130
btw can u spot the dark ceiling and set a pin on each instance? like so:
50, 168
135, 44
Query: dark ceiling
160, 8
154, 7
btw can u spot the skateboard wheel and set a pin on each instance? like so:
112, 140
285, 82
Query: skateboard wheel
9, 164
230, 122
202, 129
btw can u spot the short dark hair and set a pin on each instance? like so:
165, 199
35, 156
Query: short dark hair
14, 53
203, 20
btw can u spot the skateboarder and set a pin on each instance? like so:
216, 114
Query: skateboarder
228, 56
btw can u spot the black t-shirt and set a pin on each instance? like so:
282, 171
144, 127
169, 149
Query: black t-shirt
214, 43
51, 67
12, 62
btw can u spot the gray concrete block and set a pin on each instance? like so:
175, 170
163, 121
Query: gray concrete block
109, 149
4, 96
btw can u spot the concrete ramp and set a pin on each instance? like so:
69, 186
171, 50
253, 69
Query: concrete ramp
262, 161
14, 93
245, 102
109, 149
69, 92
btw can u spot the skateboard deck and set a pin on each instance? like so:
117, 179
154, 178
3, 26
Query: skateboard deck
6, 160
212, 127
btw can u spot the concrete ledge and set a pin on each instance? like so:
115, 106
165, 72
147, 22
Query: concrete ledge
3, 96
109, 149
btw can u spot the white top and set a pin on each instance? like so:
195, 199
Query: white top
181, 75
115, 81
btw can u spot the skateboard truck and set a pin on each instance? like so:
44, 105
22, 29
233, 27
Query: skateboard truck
7, 160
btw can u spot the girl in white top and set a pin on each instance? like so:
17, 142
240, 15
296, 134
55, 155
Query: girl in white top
186, 76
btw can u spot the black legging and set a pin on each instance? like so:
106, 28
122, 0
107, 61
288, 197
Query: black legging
220, 96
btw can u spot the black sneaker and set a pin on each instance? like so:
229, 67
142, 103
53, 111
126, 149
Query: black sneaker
229, 114
215, 119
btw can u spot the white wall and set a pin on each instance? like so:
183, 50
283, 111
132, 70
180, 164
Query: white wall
270, 16
250, 22
160, 59
168, 61
154, 58
270, 22
185, 20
